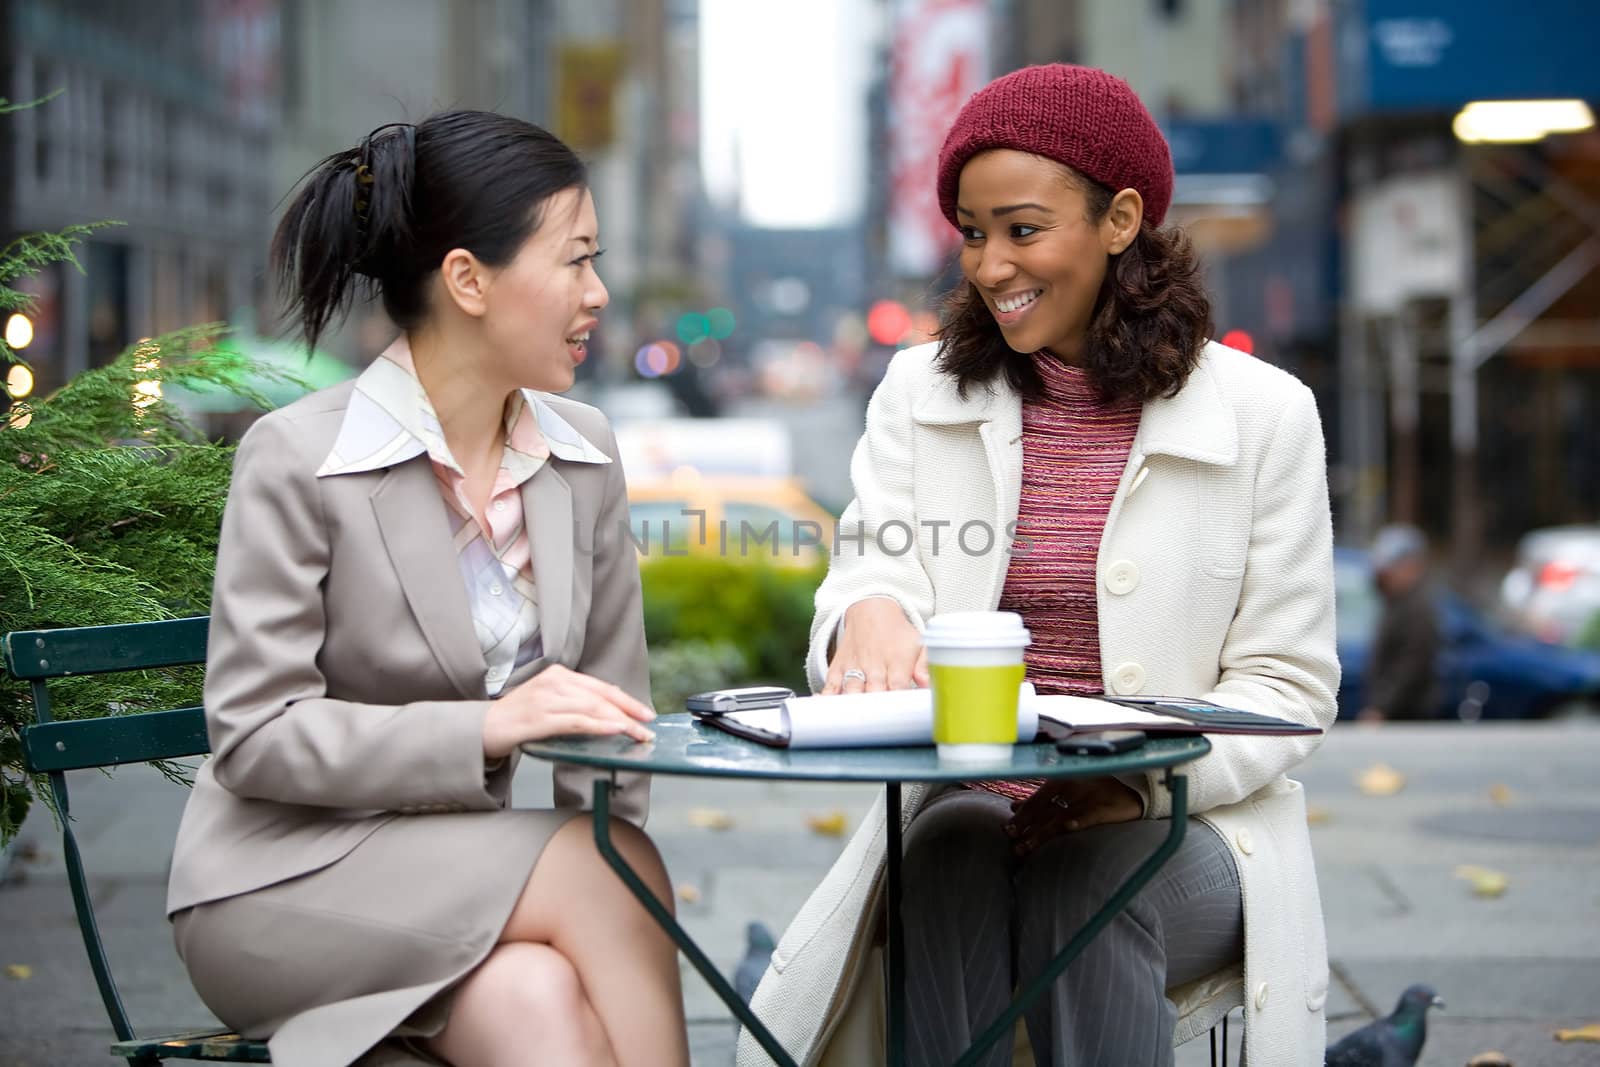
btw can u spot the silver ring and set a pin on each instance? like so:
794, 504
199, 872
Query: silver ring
1061, 802
855, 672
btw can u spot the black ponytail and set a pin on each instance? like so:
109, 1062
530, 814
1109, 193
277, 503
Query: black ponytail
380, 217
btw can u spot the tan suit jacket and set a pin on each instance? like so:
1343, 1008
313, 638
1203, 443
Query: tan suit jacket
344, 683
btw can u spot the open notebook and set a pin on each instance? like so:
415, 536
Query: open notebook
905, 717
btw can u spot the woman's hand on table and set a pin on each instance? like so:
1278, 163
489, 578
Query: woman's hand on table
558, 702
879, 642
1068, 805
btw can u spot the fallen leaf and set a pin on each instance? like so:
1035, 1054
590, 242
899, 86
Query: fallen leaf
1491, 1058
710, 818
689, 894
1380, 780
19, 971
830, 825
1318, 816
1590, 1032
1501, 794
1485, 881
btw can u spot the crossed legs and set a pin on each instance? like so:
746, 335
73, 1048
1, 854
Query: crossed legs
582, 975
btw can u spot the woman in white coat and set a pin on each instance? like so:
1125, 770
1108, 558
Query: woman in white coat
1155, 506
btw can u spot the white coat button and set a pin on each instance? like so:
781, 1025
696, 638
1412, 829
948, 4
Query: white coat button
1261, 997
1122, 577
1247, 844
495, 590
499, 505
1128, 678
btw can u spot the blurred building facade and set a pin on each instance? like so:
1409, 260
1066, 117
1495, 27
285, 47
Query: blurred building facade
191, 120
1464, 272
613, 78
1437, 295
164, 122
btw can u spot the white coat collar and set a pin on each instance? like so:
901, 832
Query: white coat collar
1198, 423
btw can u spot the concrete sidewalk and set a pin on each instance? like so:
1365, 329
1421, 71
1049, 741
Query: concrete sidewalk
1512, 969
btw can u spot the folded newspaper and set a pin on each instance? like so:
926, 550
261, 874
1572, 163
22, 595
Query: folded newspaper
904, 717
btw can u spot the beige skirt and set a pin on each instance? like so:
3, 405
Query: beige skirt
329, 965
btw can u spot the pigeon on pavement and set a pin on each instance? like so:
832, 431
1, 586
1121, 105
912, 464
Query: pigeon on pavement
1392, 1042
757, 954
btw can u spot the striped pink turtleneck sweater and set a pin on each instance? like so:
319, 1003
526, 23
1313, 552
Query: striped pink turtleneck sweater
1074, 450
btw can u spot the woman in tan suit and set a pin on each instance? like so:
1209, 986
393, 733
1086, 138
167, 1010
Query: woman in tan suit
417, 572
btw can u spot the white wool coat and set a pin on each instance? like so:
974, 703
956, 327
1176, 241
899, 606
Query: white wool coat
1216, 581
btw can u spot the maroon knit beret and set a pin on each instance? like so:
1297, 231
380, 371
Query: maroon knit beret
1085, 118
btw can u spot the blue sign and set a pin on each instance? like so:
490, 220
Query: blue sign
1425, 55
1222, 146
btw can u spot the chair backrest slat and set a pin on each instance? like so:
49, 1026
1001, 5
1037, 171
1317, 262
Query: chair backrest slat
82, 743
53, 747
37, 654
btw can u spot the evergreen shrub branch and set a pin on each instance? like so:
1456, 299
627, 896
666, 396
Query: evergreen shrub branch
111, 502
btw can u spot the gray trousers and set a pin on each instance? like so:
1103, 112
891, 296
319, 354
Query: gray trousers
979, 923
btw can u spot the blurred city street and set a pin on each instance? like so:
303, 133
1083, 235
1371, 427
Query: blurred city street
1516, 799
1397, 202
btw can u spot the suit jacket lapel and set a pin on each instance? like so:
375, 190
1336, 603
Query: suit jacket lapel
547, 516
416, 533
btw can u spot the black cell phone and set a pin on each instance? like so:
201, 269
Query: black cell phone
1102, 743
722, 701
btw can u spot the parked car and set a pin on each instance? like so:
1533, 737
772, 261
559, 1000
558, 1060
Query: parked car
1484, 672
723, 487
1552, 591
753, 518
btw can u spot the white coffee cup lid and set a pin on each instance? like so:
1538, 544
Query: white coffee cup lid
976, 629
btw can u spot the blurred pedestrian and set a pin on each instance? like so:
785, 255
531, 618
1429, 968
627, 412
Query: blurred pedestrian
1402, 675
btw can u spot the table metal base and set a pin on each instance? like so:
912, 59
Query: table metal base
1002, 1027
1178, 786
664, 918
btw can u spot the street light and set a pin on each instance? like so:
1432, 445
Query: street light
888, 321
19, 381
1520, 121
19, 332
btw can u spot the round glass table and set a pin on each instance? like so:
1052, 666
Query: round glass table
685, 745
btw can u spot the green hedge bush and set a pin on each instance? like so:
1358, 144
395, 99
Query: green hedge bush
712, 606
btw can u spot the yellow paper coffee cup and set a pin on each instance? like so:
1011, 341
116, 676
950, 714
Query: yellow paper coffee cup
976, 669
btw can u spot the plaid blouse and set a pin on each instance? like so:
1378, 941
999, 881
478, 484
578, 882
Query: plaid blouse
390, 420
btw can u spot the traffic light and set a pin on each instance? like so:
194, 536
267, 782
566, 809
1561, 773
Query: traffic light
888, 321
1241, 340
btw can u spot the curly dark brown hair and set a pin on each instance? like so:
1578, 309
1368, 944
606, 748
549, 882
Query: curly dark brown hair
1150, 323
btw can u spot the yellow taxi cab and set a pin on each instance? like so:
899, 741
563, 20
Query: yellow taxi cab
757, 518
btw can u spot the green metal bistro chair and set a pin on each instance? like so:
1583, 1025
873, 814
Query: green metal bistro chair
53, 748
